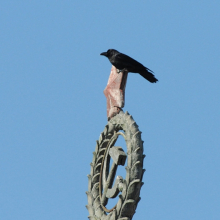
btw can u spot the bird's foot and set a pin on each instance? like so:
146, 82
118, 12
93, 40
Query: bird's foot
123, 70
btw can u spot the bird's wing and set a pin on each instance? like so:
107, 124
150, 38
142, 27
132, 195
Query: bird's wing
129, 62
126, 60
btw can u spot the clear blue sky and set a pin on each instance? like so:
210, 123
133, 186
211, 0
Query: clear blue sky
52, 106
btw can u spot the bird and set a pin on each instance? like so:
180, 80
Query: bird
125, 63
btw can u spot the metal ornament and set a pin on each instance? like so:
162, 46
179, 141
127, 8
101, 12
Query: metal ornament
103, 185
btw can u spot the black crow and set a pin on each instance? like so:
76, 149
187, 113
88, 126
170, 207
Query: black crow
125, 63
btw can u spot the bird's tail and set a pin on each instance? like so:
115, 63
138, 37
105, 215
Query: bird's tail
149, 76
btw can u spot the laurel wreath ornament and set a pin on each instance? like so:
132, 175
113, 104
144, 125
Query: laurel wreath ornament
101, 177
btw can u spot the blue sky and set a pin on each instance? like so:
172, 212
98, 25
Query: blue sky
53, 108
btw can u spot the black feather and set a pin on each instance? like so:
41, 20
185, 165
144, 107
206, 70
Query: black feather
123, 62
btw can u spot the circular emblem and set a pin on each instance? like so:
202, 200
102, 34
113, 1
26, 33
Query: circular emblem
104, 184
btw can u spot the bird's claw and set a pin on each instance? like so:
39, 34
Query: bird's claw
123, 70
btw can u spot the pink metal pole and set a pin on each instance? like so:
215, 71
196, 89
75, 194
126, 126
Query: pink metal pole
115, 92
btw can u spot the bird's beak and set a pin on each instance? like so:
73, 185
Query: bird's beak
104, 54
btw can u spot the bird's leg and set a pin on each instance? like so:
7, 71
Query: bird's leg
123, 70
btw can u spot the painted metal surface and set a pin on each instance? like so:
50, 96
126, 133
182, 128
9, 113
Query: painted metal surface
115, 92
105, 184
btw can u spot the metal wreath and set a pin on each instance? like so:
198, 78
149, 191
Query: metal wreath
100, 187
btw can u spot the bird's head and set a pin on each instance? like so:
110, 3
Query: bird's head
109, 53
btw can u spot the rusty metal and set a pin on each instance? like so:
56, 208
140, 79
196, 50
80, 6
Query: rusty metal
115, 92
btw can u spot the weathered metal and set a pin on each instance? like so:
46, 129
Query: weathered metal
102, 177
115, 92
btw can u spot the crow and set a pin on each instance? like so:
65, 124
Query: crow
125, 63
